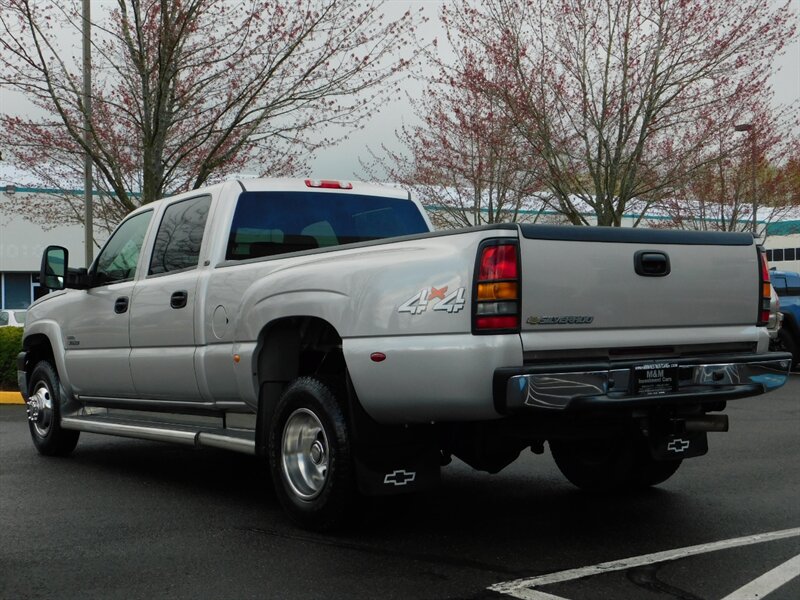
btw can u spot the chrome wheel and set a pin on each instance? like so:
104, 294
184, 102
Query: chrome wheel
40, 409
305, 454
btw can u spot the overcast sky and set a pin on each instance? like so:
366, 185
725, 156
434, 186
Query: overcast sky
341, 161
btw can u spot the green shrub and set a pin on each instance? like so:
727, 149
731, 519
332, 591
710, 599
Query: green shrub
10, 346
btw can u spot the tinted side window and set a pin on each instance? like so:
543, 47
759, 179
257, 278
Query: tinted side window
3, 318
119, 257
180, 236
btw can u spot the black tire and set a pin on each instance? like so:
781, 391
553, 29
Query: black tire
48, 436
787, 343
611, 465
310, 456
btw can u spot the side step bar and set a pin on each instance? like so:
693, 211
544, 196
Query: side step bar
213, 437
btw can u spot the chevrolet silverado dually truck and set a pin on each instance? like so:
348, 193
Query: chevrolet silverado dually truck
323, 326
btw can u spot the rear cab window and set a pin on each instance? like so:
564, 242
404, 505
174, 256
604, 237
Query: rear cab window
272, 223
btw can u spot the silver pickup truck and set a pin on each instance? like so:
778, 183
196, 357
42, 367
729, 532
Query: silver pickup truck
324, 327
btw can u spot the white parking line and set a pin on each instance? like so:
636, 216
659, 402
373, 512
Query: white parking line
525, 588
768, 582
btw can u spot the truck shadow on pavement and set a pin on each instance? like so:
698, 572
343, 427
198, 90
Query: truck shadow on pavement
529, 501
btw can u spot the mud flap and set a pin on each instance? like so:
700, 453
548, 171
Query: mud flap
679, 446
388, 471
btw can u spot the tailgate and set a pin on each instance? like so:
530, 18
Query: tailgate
586, 279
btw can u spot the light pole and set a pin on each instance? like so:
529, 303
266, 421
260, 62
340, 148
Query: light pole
750, 128
87, 117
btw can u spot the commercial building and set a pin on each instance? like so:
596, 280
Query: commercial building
23, 240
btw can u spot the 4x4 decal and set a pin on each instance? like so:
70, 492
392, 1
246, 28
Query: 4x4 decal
437, 298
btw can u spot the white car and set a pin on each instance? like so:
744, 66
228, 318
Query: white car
12, 318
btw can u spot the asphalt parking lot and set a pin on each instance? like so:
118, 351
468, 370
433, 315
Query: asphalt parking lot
133, 519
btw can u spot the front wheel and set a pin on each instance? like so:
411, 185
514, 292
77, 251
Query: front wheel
44, 413
310, 455
611, 465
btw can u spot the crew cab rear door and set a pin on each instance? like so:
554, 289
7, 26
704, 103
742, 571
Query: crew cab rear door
162, 327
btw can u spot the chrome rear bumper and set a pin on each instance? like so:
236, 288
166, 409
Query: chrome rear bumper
571, 386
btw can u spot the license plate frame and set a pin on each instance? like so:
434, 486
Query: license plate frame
655, 379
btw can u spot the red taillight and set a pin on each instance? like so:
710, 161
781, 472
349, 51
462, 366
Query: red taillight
330, 184
496, 308
764, 289
484, 323
498, 262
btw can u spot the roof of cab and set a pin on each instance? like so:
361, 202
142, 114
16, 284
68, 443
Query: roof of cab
308, 185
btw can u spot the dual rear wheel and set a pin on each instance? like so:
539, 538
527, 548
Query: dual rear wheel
310, 455
620, 464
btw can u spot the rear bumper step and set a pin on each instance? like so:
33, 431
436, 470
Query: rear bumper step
571, 387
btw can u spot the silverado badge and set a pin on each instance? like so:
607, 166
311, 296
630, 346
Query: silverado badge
569, 320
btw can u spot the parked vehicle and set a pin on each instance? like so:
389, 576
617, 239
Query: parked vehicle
775, 317
787, 287
12, 318
323, 326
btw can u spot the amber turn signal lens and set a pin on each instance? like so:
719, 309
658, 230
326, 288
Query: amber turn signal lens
497, 291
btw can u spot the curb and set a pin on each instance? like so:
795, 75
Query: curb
11, 398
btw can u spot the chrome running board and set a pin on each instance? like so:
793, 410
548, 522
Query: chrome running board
237, 440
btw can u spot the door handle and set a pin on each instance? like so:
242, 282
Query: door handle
121, 305
179, 299
651, 263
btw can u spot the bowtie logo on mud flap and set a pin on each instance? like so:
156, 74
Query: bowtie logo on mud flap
678, 445
399, 477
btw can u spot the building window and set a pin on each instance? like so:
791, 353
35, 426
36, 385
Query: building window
788, 254
16, 290
777, 254
769, 254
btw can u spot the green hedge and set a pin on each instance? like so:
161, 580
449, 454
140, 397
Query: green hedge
10, 346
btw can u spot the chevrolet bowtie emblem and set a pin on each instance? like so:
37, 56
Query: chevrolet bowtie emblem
399, 477
678, 445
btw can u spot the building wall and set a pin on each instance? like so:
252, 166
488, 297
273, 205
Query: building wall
22, 243
783, 245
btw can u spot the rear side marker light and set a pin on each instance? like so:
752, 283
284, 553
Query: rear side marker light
329, 184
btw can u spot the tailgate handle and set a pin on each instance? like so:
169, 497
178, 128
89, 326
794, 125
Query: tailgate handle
651, 263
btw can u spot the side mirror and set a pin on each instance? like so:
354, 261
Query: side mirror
54, 268
55, 273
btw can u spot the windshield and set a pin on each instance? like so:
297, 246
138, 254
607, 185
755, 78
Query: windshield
269, 223
19, 315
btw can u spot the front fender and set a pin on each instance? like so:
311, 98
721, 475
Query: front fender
49, 329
